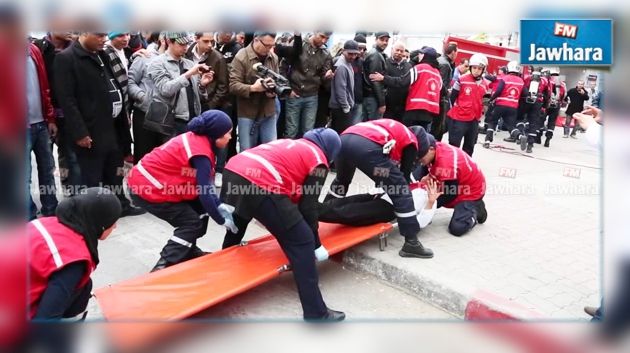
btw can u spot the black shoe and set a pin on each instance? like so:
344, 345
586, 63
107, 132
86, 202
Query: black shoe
522, 140
509, 139
482, 213
415, 249
132, 211
573, 136
196, 252
538, 140
330, 316
590, 310
161, 264
486, 144
530, 148
547, 142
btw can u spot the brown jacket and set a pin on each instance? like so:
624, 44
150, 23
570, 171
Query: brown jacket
218, 88
251, 104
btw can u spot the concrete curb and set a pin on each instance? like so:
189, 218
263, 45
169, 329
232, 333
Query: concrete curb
465, 303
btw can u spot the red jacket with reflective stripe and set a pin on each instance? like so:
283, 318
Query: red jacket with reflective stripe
382, 131
451, 163
424, 92
165, 174
513, 86
469, 103
280, 167
53, 246
543, 87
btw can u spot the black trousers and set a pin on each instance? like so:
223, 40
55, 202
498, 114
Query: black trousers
144, 141
104, 169
464, 217
509, 121
439, 126
419, 117
188, 223
297, 243
532, 116
552, 118
357, 210
366, 155
340, 120
466, 130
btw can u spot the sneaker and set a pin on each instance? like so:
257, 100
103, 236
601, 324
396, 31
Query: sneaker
218, 180
330, 316
565, 136
415, 249
573, 136
132, 211
482, 213
522, 140
161, 264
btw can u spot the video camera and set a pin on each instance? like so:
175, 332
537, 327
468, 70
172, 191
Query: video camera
280, 85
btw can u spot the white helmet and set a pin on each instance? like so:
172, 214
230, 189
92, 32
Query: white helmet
554, 71
478, 60
513, 66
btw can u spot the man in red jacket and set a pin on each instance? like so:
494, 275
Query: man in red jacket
41, 123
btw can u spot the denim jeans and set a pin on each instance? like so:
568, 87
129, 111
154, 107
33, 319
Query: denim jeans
300, 115
38, 141
253, 132
370, 104
356, 113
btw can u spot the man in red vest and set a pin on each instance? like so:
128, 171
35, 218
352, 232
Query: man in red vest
505, 98
279, 183
558, 93
425, 89
537, 98
175, 182
386, 151
467, 100
460, 179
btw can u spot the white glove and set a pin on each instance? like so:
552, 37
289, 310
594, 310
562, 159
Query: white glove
321, 254
225, 210
346, 110
229, 225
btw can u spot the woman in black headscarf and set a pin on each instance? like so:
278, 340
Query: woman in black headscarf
63, 253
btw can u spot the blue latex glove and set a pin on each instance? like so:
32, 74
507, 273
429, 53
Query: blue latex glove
226, 212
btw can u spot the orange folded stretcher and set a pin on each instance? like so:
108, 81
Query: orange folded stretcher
183, 290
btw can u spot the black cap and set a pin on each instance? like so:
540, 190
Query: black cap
429, 51
382, 34
360, 38
351, 46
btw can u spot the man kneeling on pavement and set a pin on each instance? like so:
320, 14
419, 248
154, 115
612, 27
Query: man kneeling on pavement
449, 179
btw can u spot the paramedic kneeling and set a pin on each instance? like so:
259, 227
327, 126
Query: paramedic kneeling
463, 183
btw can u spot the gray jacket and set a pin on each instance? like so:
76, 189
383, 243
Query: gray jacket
141, 86
164, 71
342, 89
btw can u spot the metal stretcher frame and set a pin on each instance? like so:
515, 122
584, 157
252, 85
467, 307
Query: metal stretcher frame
183, 290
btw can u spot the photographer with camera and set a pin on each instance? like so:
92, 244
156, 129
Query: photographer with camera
255, 96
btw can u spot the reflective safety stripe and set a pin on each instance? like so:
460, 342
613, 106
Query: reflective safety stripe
335, 194
50, 242
432, 73
377, 128
265, 163
181, 241
319, 160
149, 177
507, 99
186, 145
425, 101
406, 214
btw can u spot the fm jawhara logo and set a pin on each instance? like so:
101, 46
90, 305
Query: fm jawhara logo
566, 42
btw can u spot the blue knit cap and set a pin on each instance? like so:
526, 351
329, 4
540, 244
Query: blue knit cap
328, 141
425, 139
212, 123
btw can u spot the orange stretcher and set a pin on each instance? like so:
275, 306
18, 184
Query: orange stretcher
183, 290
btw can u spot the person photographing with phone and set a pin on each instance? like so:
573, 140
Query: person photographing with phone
180, 82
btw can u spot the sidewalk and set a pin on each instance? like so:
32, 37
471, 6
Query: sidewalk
540, 247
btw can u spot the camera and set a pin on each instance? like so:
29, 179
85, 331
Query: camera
280, 85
